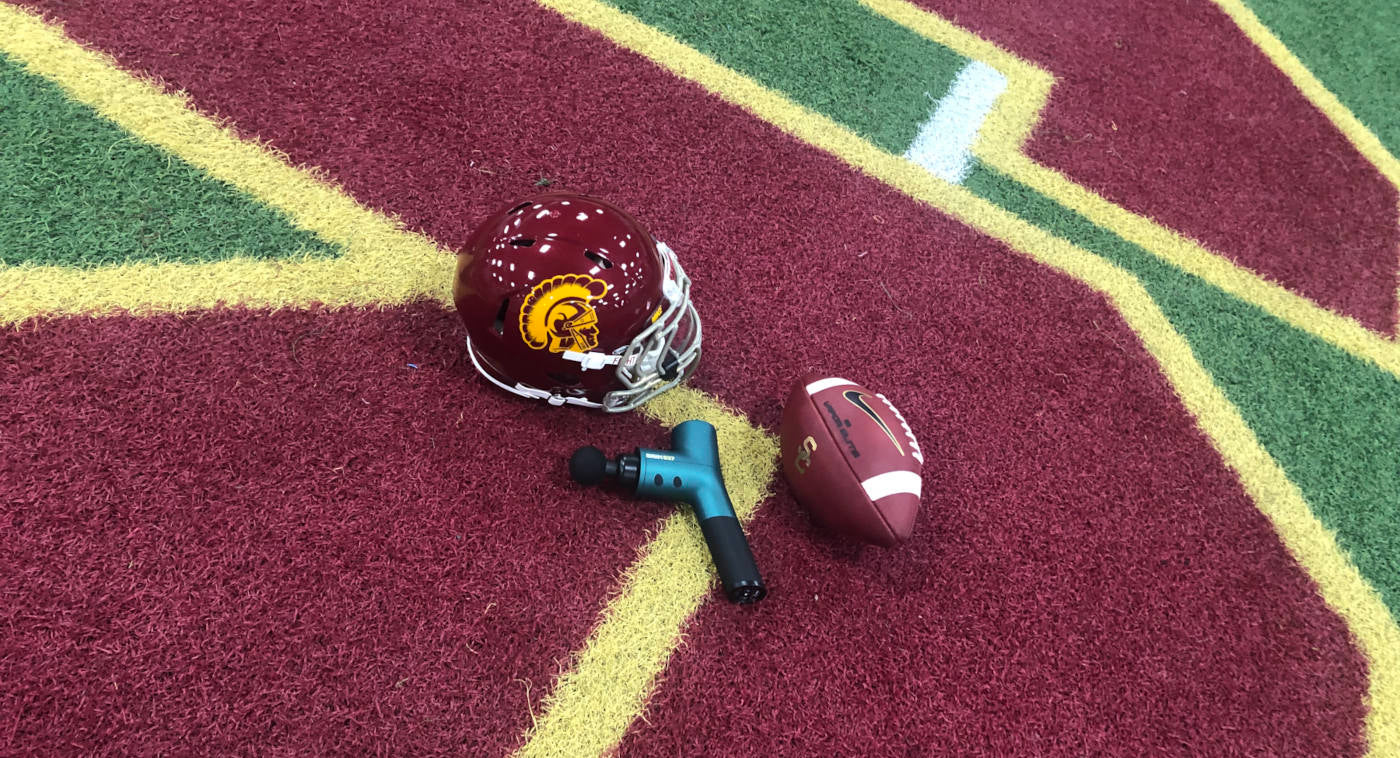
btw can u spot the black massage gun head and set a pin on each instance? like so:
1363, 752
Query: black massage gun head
589, 466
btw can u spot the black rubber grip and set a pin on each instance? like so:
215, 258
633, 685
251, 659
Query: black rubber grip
733, 559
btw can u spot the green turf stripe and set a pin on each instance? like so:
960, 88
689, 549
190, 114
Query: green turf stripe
1331, 420
76, 190
834, 56
1352, 47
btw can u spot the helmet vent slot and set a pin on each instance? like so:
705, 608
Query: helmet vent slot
520, 207
500, 326
597, 258
523, 241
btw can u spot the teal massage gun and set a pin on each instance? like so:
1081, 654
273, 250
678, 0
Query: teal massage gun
688, 473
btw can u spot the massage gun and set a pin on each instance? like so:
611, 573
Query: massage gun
689, 473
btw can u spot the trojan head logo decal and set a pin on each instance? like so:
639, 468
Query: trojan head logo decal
558, 313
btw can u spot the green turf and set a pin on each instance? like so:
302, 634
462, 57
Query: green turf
76, 190
833, 56
1352, 47
1330, 419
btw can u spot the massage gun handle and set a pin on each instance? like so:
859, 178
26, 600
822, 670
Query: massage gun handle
690, 472
738, 572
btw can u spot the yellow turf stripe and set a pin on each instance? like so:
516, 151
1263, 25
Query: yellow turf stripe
382, 262
1339, 581
597, 700
1342, 587
594, 703
1290, 307
1004, 134
1028, 86
1363, 139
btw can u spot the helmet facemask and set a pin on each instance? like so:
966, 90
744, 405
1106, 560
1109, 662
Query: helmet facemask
667, 351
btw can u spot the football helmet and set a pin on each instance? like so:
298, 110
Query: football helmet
568, 299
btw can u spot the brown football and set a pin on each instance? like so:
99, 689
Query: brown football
851, 459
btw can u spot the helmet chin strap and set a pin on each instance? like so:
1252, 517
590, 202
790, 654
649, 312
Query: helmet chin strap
522, 390
549, 397
592, 361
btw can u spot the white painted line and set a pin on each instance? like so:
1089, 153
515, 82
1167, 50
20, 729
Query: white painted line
943, 145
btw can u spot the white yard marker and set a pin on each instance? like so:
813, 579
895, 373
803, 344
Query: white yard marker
943, 145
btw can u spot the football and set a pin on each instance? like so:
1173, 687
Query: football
851, 460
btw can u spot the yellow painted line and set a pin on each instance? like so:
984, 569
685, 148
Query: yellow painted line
1028, 86
594, 703
1341, 585
1290, 307
1000, 146
1312, 545
1363, 139
382, 263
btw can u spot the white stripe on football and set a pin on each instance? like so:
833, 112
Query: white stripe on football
893, 483
826, 384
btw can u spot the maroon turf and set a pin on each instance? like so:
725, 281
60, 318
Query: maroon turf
1171, 111
1004, 628
301, 533
1086, 572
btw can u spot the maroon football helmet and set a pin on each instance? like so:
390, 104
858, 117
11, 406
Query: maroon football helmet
567, 298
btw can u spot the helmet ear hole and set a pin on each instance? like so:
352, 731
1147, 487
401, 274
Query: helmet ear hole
570, 380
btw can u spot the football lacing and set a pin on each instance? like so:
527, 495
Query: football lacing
909, 433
